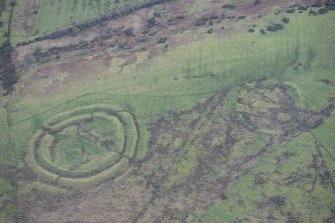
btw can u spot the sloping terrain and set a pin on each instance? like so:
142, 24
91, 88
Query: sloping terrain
167, 111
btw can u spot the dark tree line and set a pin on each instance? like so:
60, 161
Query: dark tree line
8, 76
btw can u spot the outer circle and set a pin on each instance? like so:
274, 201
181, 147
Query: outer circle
111, 169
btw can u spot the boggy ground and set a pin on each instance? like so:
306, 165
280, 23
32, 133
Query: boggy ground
195, 157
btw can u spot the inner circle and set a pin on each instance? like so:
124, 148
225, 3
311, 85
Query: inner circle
81, 146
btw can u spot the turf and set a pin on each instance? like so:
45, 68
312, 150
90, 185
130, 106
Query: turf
250, 200
149, 94
176, 81
62, 14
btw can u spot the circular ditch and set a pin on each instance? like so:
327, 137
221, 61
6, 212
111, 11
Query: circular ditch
84, 146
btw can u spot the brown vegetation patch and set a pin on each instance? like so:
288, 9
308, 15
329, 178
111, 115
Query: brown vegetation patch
217, 144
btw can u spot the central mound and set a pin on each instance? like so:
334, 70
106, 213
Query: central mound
84, 146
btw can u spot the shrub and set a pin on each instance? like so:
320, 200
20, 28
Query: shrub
323, 11
228, 6
256, 2
285, 20
330, 4
162, 40
129, 32
223, 196
180, 17
151, 22
290, 11
157, 15
12, 4
316, 5
302, 8
201, 22
274, 27
143, 38
312, 12
278, 200
8, 74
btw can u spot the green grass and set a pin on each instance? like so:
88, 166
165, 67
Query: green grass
29, 188
7, 210
5, 190
69, 145
7, 214
184, 167
168, 84
244, 197
79, 152
240, 149
326, 134
154, 92
54, 15
114, 171
6, 155
4, 19
69, 151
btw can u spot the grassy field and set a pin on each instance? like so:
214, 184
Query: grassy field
65, 13
7, 212
282, 189
292, 179
4, 22
62, 14
232, 61
276, 188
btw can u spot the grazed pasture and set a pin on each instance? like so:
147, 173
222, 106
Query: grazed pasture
175, 111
